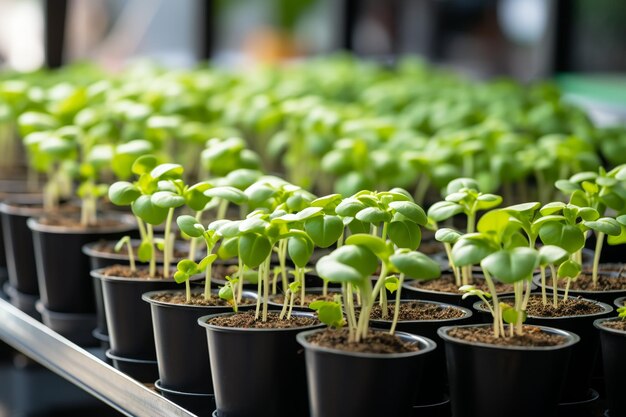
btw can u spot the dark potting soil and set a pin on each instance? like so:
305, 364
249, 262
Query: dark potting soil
431, 247
109, 248
123, 271
584, 282
616, 324
246, 320
197, 299
74, 222
619, 267
573, 306
375, 342
220, 271
446, 284
415, 310
532, 336
308, 298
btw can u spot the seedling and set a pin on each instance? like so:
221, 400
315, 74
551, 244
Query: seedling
329, 312
228, 291
129, 247
290, 296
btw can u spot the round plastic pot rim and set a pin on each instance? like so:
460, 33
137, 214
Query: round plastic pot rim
126, 224
606, 309
158, 386
109, 354
426, 345
407, 285
97, 273
620, 302
15, 205
147, 297
57, 315
537, 281
467, 312
98, 335
202, 321
573, 338
598, 325
88, 249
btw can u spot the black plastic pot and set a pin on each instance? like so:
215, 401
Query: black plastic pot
584, 354
143, 370
18, 247
440, 409
620, 302
257, 372
614, 358
76, 327
356, 384
62, 269
99, 259
25, 302
435, 391
602, 296
199, 404
494, 381
128, 319
181, 347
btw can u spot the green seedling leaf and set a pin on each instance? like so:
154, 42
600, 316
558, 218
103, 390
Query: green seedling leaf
327, 201
373, 215
300, 250
308, 213
226, 293
324, 230
229, 248
487, 201
552, 255
447, 235
510, 315
552, 208
349, 207
443, 210
374, 243
459, 184
415, 265
167, 172
167, 199
206, 261
512, 265
190, 226
392, 284
144, 164
566, 236
145, 251
253, 225
228, 193
606, 225
120, 243
411, 211
569, 269
145, 209
494, 221
405, 234
471, 249
254, 249
123, 193
349, 263
328, 312
470, 290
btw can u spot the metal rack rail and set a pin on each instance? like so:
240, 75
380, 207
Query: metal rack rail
81, 367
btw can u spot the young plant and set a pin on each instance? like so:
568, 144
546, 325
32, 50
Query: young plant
129, 247
329, 312
228, 291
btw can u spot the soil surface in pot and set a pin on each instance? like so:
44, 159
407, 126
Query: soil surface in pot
220, 271
446, 284
308, 298
74, 222
616, 324
197, 299
533, 336
431, 247
375, 342
109, 249
573, 306
123, 271
619, 268
584, 282
246, 320
417, 311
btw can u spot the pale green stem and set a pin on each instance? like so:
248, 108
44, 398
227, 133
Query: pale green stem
283, 311
497, 321
150, 237
266, 287
142, 228
282, 259
221, 209
187, 291
347, 295
325, 288
384, 232
368, 300
555, 292
421, 189
544, 295
131, 256
302, 284
567, 285
240, 283
396, 309
596, 258
292, 299
258, 291
167, 249
455, 271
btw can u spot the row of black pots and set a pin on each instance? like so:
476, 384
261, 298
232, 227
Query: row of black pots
613, 345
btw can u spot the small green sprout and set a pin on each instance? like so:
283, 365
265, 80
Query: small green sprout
290, 296
622, 312
227, 292
329, 312
131, 256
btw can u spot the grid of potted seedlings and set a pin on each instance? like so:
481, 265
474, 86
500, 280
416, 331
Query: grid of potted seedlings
246, 293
